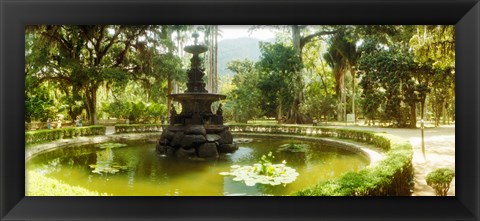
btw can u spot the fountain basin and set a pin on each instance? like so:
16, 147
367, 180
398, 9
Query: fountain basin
150, 174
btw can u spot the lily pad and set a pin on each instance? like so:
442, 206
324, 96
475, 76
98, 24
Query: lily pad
111, 169
111, 145
278, 174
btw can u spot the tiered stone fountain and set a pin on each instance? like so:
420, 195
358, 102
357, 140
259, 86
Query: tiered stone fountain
196, 132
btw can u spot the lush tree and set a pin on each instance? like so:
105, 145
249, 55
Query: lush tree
387, 75
391, 71
278, 65
298, 42
39, 104
320, 100
301, 35
342, 57
245, 99
84, 58
434, 46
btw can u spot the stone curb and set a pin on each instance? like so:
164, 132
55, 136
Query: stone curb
36, 149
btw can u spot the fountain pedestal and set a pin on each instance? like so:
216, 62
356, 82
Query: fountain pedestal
196, 132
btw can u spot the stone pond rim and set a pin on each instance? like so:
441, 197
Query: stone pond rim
196, 133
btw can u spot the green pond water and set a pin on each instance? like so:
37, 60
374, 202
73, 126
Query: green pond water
142, 172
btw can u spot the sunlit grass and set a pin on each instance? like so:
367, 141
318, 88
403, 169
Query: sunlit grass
40, 185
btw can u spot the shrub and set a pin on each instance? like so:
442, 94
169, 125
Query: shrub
138, 128
62, 133
135, 112
393, 176
440, 180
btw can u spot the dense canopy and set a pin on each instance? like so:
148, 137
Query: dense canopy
393, 75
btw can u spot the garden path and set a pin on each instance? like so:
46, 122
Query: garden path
110, 130
439, 151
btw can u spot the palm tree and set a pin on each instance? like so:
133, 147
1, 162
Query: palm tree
342, 57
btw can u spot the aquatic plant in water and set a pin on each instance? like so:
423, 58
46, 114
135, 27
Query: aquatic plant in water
111, 145
112, 169
293, 147
264, 172
105, 163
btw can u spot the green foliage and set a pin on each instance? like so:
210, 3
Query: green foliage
278, 65
264, 88
440, 180
109, 169
320, 99
392, 176
62, 133
390, 82
80, 59
263, 172
341, 56
138, 128
111, 145
434, 44
265, 163
245, 100
135, 111
39, 105
318, 105
293, 147
40, 185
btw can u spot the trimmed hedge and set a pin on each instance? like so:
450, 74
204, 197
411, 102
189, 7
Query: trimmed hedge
62, 133
363, 136
138, 128
393, 176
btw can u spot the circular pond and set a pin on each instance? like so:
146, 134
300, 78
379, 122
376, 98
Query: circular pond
135, 169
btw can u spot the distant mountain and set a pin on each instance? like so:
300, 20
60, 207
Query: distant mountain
237, 49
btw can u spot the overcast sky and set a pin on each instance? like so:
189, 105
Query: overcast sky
239, 31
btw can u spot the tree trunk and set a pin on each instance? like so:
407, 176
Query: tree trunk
215, 76
341, 96
413, 115
353, 95
444, 113
294, 115
169, 91
279, 114
91, 95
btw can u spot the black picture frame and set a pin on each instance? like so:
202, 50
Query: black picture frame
14, 15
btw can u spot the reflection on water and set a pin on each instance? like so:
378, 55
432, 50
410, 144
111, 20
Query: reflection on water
147, 173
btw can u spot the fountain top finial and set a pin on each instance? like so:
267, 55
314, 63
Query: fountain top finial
195, 48
195, 36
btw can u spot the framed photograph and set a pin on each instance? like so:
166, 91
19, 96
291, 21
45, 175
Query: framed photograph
126, 28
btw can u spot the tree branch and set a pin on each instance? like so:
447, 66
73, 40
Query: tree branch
308, 38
